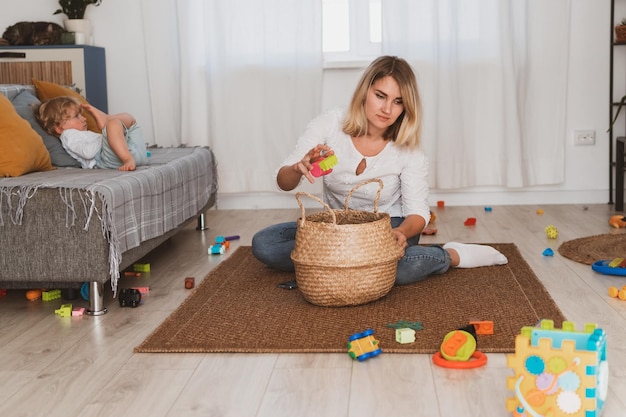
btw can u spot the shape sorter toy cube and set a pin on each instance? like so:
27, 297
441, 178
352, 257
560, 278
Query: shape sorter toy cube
558, 372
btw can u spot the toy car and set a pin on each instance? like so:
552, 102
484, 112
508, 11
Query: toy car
129, 297
362, 346
217, 249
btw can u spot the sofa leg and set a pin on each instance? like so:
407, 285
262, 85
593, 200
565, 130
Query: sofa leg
96, 299
201, 225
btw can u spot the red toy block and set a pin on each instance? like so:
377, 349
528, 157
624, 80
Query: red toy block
471, 221
190, 282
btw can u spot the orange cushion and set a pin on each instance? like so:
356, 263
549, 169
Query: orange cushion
46, 90
21, 148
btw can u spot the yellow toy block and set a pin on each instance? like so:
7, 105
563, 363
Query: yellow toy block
50, 295
558, 372
141, 267
64, 311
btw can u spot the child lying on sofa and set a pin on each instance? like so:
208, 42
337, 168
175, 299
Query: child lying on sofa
119, 146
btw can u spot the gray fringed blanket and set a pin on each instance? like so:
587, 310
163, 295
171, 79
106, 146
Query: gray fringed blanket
136, 206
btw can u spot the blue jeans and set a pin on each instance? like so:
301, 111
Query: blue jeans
273, 246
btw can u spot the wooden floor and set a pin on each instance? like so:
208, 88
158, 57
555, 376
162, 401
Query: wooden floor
85, 366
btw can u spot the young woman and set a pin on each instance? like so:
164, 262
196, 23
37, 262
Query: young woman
377, 137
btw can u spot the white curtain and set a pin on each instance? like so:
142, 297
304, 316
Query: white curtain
493, 79
244, 77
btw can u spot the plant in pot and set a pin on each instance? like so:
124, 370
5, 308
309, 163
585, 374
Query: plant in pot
76, 22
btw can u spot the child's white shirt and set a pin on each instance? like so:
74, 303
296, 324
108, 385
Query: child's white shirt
82, 145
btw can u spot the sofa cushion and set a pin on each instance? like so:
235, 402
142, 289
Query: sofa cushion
59, 157
47, 90
21, 148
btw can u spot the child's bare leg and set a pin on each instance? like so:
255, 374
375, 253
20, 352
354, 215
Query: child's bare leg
117, 142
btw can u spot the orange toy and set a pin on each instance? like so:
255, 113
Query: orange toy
617, 221
32, 295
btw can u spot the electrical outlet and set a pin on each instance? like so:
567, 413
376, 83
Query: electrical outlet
584, 137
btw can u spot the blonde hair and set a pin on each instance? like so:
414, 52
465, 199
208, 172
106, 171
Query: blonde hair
407, 129
51, 113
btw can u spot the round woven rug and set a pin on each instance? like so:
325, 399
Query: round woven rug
588, 250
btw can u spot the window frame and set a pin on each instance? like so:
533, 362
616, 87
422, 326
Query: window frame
362, 50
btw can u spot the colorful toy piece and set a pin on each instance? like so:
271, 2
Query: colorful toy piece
615, 266
324, 166
32, 295
78, 311
51, 295
618, 221
401, 324
217, 249
548, 252
558, 372
471, 221
458, 350
190, 282
483, 327
221, 244
363, 346
141, 267
551, 232
614, 292
405, 335
64, 311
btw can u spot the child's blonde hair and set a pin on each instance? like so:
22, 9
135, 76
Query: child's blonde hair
51, 113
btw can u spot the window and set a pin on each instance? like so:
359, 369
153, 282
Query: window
352, 30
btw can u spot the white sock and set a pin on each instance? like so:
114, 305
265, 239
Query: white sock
472, 256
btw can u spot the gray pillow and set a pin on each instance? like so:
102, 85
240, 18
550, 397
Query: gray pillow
58, 156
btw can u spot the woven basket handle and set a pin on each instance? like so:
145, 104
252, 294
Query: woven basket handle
380, 188
316, 198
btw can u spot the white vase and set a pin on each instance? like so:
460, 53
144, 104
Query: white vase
81, 29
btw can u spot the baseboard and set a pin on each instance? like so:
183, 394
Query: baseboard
254, 201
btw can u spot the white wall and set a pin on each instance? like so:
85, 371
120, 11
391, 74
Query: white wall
117, 27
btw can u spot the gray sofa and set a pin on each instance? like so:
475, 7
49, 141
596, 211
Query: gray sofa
61, 228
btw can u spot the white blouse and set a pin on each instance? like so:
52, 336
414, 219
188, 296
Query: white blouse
403, 171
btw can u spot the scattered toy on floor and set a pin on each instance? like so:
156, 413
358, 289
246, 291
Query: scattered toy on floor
558, 372
551, 232
614, 292
362, 346
32, 295
471, 221
615, 266
458, 350
129, 297
64, 311
618, 221
400, 324
405, 335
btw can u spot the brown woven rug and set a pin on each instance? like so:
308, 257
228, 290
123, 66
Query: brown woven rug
588, 250
239, 308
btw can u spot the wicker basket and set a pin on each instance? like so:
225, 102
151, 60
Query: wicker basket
345, 257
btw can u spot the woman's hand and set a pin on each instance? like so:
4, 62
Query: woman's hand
400, 238
289, 176
306, 163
